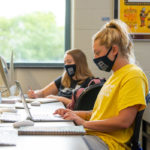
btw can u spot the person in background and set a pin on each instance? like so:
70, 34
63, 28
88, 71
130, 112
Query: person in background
77, 74
110, 124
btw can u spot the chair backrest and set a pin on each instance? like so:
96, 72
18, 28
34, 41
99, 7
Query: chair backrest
87, 99
134, 141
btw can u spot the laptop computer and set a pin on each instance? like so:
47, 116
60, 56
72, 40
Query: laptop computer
38, 118
8, 75
4, 74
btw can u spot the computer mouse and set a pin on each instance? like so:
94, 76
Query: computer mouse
35, 103
13, 110
23, 123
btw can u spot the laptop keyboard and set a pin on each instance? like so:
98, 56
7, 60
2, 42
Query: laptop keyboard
9, 117
46, 117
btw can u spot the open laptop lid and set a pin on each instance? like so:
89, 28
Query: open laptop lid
29, 116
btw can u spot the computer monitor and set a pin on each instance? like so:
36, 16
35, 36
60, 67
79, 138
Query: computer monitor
4, 74
8, 75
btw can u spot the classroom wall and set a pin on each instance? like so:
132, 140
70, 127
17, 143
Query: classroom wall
87, 18
36, 78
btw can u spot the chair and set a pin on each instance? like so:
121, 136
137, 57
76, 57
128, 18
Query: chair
134, 141
87, 99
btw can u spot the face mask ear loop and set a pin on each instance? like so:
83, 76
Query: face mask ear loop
115, 57
109, 51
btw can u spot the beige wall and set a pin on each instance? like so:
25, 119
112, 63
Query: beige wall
36, 78
86, 20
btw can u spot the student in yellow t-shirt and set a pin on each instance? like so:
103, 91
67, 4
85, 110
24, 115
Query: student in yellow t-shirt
110, 124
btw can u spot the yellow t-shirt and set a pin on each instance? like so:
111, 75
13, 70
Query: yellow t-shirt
126, 87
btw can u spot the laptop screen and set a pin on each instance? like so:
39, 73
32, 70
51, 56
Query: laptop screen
4, 73
29, 116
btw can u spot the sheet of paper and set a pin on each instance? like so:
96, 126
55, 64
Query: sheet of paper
8, 137
42, 100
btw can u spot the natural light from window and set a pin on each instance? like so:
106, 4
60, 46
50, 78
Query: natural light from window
33, 29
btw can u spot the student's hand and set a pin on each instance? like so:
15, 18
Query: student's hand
32, 94
70, 115
61, 111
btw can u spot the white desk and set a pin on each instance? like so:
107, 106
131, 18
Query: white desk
47, 142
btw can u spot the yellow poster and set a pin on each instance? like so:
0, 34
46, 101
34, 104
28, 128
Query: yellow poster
136, 15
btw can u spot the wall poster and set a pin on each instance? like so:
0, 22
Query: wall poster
135, 13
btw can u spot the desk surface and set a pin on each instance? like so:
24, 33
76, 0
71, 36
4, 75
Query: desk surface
47, 142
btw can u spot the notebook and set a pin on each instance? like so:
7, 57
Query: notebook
7, 105
61, 130
8, 137
10, 99
42, 100
10, 117
38, 118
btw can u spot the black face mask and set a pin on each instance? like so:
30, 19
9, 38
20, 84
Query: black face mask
71, 69
104, 63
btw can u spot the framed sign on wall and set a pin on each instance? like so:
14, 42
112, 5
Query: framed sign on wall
136, 14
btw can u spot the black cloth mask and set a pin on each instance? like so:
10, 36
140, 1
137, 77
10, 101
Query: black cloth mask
104, 63
71, 69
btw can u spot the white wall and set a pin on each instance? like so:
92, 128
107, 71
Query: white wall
87, 21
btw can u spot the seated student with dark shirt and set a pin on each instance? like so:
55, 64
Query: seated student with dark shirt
76, 75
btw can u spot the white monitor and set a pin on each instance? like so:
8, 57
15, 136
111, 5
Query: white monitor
4, 74
8, 75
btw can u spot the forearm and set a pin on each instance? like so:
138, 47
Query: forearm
86, 115
64, 100
46, 92
38, 93
123, 121
50, 89
103, 125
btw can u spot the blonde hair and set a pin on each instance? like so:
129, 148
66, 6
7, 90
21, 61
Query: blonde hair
116, 32
82, 70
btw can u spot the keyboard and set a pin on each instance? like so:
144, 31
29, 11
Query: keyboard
8, 137
48, 118
10, 117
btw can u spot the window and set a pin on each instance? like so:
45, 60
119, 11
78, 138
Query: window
36, 31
